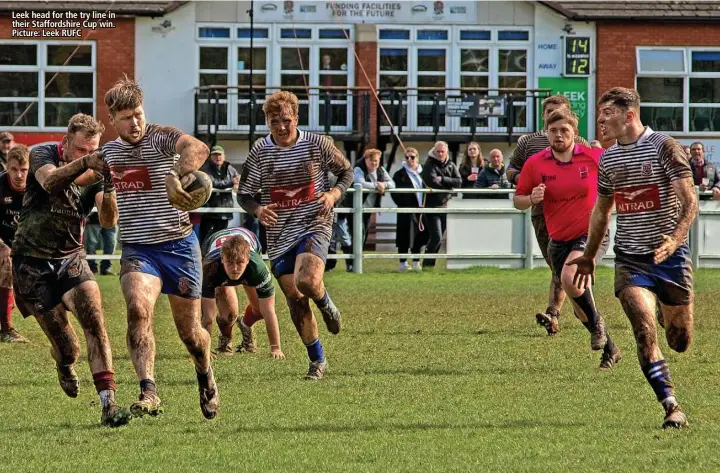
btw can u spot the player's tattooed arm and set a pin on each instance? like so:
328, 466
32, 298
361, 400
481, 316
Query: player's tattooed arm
685, 191
341, 168
248, 203
193, 154
55, 179
106, 204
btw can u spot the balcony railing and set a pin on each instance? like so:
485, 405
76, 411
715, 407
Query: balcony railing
235, 112
418, 113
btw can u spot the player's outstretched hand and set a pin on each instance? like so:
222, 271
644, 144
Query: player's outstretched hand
95, 161
177, 196
666, 249
277, 354
327, 202
266, 214
585, 274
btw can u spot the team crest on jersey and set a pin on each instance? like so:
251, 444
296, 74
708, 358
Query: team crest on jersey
646, 170
309, 169
584, 172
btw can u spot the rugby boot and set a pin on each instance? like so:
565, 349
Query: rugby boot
549, 322
149, 403
317, 370
209, 395
224, 345
610, 358
12, 336
248, 338
331, 316
675, 417
114, 416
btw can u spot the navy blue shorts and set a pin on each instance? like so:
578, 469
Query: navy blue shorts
177, 263
285, 264
671, 281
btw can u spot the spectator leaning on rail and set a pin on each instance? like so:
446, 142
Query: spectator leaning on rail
224, 177
493, 176
439, 172
705, 173
407, 233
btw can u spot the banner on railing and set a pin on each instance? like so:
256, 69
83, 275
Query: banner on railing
475, 106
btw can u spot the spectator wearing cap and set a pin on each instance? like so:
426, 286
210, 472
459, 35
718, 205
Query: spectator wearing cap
7, 141
224, 178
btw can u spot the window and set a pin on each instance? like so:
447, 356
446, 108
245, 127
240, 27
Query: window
680, 89
315, 62
42, 84
479, 58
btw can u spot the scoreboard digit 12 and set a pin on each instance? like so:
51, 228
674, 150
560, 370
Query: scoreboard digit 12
576, 56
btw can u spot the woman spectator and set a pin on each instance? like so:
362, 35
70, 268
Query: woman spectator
472, 164
407, 233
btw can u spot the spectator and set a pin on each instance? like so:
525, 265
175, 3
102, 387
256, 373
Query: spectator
371, 175
493, 176
98, 238
224, 177
687, 151
596, 144
439, 172
472, 164
7, 141
408, 234
705, 173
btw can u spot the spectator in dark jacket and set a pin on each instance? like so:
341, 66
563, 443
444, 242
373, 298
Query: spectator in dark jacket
493, 176
224, 178
438, 173
705, 173
471, 165
407, 233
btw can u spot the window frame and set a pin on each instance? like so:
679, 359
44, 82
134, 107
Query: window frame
41, 68
686, 106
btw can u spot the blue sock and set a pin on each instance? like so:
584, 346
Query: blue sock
658, 375
323, 301
315, 350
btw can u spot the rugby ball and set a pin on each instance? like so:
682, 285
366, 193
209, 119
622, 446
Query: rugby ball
199, 186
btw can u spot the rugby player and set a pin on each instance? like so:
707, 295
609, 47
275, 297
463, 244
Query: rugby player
233, 257
50, 273
161, 253
647, 176
12, 189
289, 168
564, 178
529, 145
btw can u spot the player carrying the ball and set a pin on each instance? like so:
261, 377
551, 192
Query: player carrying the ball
161, 254
563, 177
289, 168
50, 273
233, 257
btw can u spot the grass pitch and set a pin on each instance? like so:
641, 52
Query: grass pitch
434, 371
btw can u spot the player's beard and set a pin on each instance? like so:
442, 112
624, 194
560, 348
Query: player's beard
560, 147
133, 139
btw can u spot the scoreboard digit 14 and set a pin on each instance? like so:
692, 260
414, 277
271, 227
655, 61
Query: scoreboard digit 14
576, 55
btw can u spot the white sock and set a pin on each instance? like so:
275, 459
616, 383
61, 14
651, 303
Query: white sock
668, 402
107, 397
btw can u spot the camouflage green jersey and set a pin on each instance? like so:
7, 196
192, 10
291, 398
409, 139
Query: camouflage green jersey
256, 274
51, 226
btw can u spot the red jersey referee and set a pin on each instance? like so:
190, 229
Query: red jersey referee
564, 178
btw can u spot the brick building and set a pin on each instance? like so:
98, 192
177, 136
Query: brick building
30, 58
670, 52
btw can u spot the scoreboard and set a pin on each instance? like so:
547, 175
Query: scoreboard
576, 56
